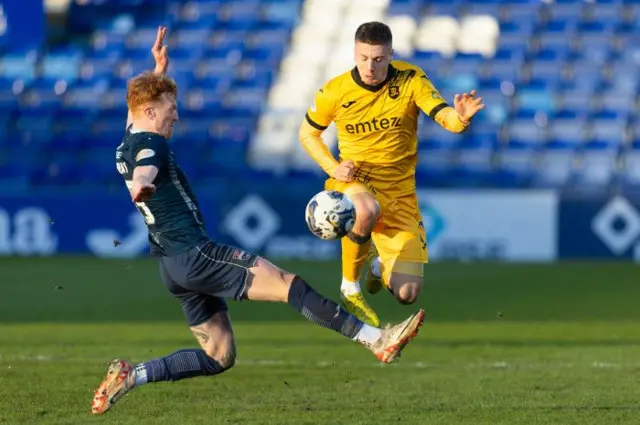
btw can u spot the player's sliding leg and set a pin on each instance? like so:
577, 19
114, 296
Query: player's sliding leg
355, 247
269, 283
216, 355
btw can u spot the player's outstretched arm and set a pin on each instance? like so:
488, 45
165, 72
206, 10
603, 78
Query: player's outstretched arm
159, 52
142, 187
467, 105
458, 118
161, 57
455, 119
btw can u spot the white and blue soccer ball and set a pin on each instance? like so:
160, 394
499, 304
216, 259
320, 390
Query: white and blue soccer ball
330, 215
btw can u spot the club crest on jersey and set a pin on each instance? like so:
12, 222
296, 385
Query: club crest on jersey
394, 92
144, 154
240, 255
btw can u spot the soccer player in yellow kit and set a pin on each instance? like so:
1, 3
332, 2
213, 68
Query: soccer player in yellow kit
375, 107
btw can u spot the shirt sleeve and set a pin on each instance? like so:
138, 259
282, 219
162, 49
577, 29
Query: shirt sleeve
321, 113
150, 150
426, 96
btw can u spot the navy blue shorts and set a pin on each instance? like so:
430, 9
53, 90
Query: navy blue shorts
204, 276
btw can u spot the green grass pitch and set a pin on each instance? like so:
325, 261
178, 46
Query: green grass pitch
503, 344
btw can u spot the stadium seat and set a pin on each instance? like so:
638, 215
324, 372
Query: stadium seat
18, 67
555, 168
596, 168
515, 166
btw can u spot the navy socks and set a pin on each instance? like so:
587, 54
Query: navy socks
322, 311
179, 365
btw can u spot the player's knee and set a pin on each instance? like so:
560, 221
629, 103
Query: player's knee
408, 293
223, 354
367, 214
228, 359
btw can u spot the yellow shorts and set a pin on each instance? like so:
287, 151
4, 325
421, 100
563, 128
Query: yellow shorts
399, 235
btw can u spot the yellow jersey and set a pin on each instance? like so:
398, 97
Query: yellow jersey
377, 125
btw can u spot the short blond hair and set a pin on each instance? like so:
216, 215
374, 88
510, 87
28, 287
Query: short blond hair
148, 87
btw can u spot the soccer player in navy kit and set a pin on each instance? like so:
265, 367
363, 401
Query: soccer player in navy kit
198, 271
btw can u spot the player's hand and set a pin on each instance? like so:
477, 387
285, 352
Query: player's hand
142, 192
345, 171
467, 105
159, 52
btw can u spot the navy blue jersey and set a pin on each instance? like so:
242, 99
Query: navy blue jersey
172, 215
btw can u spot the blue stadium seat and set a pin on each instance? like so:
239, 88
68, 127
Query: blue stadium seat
568, 128
114, 99
511, 43
561, 24
575, 101
596, 169
445, 9
496, 108
594, 48
622, 79
555, 169
35, 126
467, 63
552, 53
584, 75
547, 70
285, 11
608, 131
405, 7
521, 12
21, 162
473, 166
604, 12
515, 167
504, 69
99, 170
201, 99
617, 102
61, 170
536, 97
18, 67
551, 40
491, 8
194, 130
430, 62
227, 41
198, 15
434, 167
630, 174
10, 93
526, 132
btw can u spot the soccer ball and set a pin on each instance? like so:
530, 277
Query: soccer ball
330, 215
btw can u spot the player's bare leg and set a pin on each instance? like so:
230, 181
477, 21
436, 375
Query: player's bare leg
355, 247
405, 287
217, 354
270, 283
